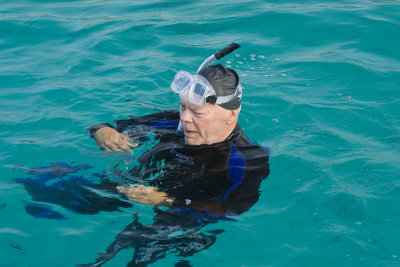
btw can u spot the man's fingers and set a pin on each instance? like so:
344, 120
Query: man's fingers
125, 148
113, 148
125, 144
122, 189
143, 194
124, 138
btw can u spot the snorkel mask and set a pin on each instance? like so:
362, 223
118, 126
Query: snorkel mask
198, 90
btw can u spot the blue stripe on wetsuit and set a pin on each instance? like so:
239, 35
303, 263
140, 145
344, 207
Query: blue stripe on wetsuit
236, 166
164, 124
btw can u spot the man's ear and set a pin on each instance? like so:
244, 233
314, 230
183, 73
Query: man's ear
233, 116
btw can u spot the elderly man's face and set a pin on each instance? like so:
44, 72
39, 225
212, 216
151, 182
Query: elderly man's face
207, 124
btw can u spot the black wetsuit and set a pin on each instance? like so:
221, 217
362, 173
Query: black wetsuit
221, 179
208, 183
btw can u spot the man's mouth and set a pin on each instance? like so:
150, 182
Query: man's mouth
189, 133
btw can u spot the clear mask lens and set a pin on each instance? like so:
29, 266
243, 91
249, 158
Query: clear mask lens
181, 81
198, 95
193, 86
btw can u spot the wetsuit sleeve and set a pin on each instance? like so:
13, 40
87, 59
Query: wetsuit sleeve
93, 129
157, 121
165, 120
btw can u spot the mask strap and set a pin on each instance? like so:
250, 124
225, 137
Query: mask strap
228, 98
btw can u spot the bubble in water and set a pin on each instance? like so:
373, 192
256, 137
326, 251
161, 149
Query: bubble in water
283, 75
237, 55
228, 62
252, 55
252, 59
277, 59
261, 56
358, 223
240, 62
275, 120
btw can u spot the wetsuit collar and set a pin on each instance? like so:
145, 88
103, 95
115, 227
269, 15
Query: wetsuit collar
235, 132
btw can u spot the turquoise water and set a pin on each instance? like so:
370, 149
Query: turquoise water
321, 89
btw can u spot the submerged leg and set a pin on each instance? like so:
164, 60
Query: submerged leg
171, 232
124, 239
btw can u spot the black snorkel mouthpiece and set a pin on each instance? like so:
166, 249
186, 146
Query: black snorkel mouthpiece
218, 55
226, 51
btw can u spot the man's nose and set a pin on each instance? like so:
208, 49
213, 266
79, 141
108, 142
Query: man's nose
186, 116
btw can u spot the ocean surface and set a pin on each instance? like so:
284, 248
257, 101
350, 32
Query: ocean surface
321, 86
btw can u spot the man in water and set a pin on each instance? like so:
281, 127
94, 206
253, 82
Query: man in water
200, 165
209, 165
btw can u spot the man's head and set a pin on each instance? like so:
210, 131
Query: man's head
212, 123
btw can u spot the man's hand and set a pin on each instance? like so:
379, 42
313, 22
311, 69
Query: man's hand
109, 139
144, 194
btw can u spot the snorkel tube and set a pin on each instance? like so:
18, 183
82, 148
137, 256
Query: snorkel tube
217, 56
